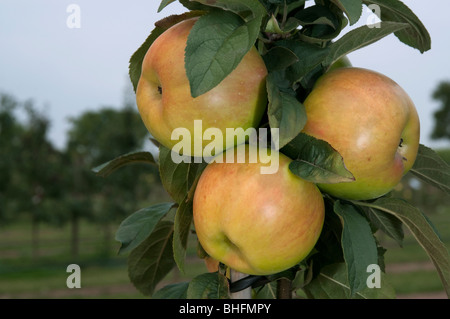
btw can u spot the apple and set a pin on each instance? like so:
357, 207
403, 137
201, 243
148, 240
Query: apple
340, 63
164, 100
372, 122
256, 223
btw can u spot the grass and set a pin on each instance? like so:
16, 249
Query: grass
104, 273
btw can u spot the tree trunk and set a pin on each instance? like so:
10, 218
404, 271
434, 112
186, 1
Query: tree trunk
34, 236
75, 232
284, 289
242, 294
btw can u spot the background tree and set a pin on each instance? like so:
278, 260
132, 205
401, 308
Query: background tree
442, 116
10, 130
94, 138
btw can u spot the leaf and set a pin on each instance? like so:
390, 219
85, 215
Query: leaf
316, 161
208, 286
359, 38
268, 291
135, 64
317, 14
387, 223
421, 229
415, 35
164, 3
177, 179
238, 6
285, 112
320, 24
172, 291
153, 259
358, 244
332, 283
183, 220
138, 226
279, 58
107, 168
432, 169
309, 57
216, 45
352, 8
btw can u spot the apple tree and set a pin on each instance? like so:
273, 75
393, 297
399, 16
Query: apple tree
298, 42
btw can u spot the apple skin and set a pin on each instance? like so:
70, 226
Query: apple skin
255, 223
164, 98
372, 122
343, 62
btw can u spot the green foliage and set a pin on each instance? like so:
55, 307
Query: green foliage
442, 115
153, 259
316, 160
298, 45
432, 169
208, 286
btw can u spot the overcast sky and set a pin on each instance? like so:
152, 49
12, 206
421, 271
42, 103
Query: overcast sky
67, 71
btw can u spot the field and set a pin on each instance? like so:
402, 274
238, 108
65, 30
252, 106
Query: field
104, 273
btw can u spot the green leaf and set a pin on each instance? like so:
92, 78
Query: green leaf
138, 226
268, 291
358, 244
317, 14
107, 168
172, 291
415, 35
208, 286
432, 169
309, 57
421, 229
183, 220
216, 45
352, 8
359, 38
238, 6
164, 3
387, 223
135, 64
285, 112
316, 161
153, 259
177, 179
279, 58
332, 283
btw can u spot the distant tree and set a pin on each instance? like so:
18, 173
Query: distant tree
442, 115
96, 137
28, 166
10, 132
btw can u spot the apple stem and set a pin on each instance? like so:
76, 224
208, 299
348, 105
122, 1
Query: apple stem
242, 294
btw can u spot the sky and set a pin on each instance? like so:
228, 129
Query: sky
67, 71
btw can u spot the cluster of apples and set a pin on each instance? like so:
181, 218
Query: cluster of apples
265, 223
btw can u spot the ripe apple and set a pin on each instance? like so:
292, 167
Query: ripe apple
256, 223
372, 122
164, 98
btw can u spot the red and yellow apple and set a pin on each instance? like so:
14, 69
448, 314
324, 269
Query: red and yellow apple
256, 223
372, 122
165, 102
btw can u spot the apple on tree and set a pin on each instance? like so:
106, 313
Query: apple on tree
165, 102
256, 223
372, 122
